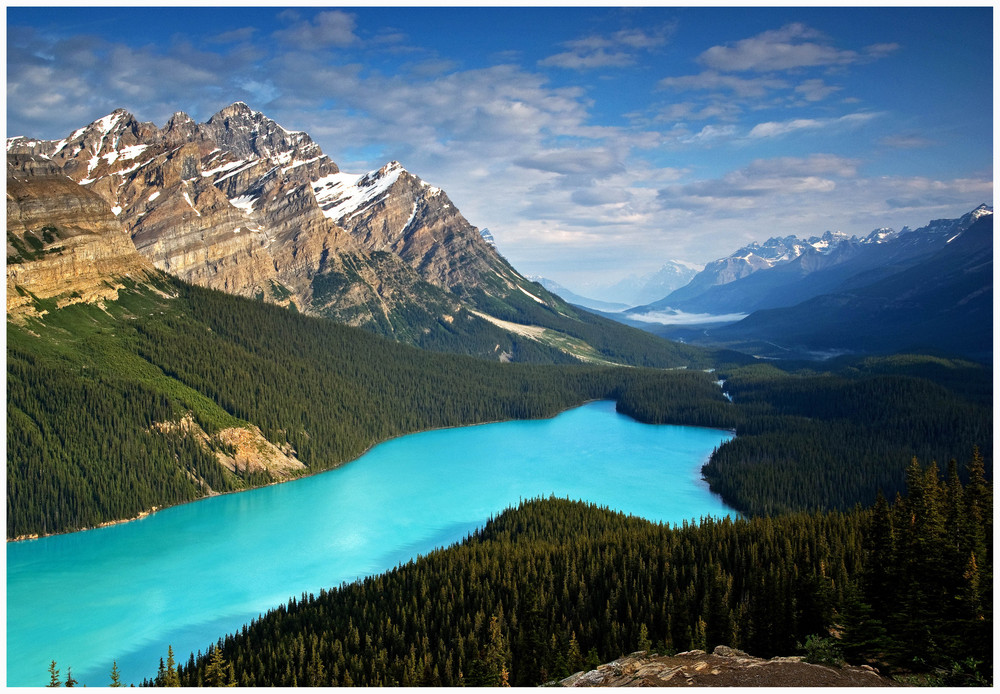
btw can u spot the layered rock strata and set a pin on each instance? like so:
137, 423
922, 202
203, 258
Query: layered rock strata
63, 241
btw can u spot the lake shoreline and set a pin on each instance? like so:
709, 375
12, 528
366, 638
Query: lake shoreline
184, 577
213, 494
147, 513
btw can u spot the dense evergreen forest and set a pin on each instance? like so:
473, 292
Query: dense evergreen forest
555, 586
809, 440
86, 385
550, 587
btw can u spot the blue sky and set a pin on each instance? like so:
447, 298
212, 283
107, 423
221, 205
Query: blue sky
593, 142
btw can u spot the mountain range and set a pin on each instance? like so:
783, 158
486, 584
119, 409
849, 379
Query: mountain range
786, 271
242, 205
903, 280
636, 290
578, 299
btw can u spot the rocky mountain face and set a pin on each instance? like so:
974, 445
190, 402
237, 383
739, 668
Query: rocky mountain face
242, 205
227, 204
786, 271
64, 242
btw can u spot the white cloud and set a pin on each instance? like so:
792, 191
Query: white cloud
681, 318
689, 110
815, 90
814, 164
597, 196
712, 132
618, 49
902, 141
331, 28
712, 80
235, 35
593, 162
775, 129
878, 50
793, 46
579, 60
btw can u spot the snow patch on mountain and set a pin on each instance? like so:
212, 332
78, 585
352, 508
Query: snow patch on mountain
187, 199
343, 195
532, 295
243, 202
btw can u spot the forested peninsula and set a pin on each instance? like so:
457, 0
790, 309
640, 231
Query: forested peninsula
553, 587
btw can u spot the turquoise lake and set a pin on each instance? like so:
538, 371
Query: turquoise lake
189, 574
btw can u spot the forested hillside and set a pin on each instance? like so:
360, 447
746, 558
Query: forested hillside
113, 411
553, 586
809, 440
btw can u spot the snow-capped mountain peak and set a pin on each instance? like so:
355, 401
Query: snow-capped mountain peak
881, 235
980, 211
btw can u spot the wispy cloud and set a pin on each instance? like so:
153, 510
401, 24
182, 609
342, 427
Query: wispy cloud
815, 90
593, 162
906, 141
234, 35
776, 129
333, 28
618, 49
712, 80
790, 47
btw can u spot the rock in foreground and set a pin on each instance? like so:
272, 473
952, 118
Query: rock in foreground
724, 667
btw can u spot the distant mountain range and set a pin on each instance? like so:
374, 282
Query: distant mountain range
577, 299
928, 288
942, 302
635, 290
242, 205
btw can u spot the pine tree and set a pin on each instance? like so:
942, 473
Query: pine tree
864, 637
644, 643
70, 682
53, 675
497, 657
574, 659
217, 671
170, 678
115, 676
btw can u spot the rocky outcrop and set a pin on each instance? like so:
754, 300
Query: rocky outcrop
241, 450
63, 241
724, 667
